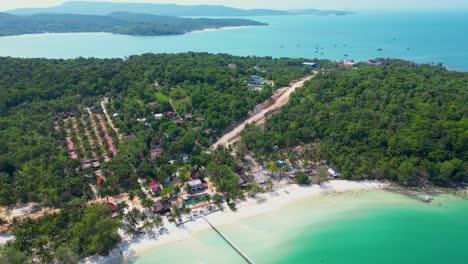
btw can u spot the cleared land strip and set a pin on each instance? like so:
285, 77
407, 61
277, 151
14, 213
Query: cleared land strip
275, 102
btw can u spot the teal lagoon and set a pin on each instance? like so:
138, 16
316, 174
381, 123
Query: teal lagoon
420, 36
359, 227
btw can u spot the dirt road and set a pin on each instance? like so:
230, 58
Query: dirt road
275, 102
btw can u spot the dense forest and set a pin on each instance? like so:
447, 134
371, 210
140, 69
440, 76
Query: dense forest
35, 93
118, 23
177, 104
397, 121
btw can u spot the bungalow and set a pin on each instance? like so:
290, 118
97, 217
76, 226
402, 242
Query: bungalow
170, 113
256, 80
141, 119
200, 118
161, 207
116, 115
178, 121
311, 64
158, 116
96, 165
155, 153
195, 185
188, 116
152, 104
155, 187
232, 65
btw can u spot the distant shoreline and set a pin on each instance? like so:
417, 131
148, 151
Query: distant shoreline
116, 34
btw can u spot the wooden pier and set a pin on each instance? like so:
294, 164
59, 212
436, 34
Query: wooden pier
242, 254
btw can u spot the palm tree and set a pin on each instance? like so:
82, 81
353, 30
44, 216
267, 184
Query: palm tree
158, 221
131, 195
147, 225
121, 207
148, 203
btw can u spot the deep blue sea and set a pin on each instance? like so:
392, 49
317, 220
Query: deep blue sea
420, 36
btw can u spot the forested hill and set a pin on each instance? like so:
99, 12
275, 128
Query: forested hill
117, 23
398, 121
105, 8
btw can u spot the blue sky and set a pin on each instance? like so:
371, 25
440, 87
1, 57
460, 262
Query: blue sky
277, 4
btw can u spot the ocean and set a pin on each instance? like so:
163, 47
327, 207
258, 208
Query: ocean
420, 36
357, 227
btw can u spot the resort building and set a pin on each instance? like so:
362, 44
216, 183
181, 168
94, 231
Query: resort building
256, 80
158, 116
348, 63
178, 121
196, 185
161, 207
310, 64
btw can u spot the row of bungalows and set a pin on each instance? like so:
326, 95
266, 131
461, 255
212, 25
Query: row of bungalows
94, 162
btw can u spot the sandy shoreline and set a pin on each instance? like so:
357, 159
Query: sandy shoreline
263, 203
220, 28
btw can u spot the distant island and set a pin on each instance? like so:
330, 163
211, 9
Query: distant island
122, 23
106, 8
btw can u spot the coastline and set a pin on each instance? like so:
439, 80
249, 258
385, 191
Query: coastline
263, 203
220, 28
42, 34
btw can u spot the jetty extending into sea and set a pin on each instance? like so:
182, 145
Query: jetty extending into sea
224, 237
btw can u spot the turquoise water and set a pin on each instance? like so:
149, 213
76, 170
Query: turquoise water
366, 227
437, 36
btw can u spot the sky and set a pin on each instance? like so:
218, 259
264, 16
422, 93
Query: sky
274, 4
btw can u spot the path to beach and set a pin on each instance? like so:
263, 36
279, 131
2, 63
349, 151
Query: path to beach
104, 102
275, 102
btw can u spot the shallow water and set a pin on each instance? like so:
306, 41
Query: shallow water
421, 36
365, 227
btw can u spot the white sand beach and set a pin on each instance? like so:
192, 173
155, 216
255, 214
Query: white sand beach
216, 29
262, 203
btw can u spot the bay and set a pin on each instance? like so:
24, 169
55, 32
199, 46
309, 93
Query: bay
420, 36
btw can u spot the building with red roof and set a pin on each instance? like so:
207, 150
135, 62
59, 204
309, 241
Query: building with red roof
155, 187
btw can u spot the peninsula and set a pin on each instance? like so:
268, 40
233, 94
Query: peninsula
122, 23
